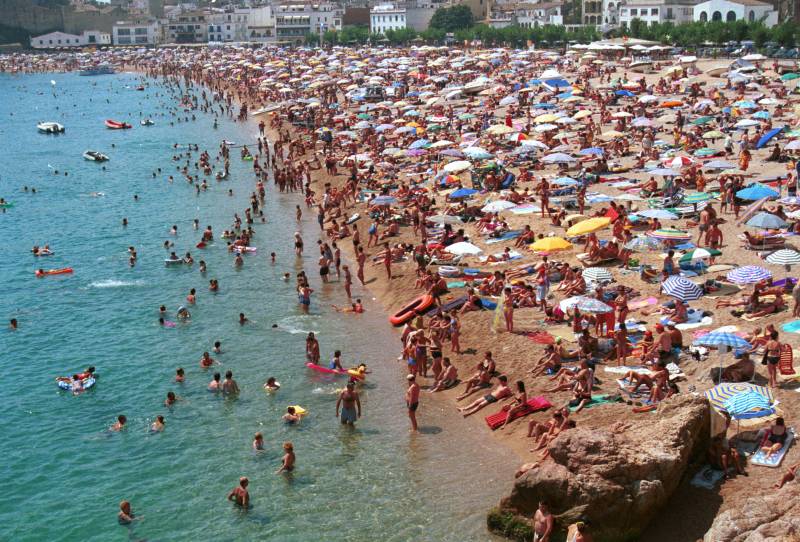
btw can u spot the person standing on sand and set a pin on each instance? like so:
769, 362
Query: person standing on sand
412, 400
349, 400
387, 260
542, 523
361, 260
508, 310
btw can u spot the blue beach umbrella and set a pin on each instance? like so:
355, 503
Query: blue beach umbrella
384, 127
763, 140
748, 405
462, 193
641, 243
661, 214
681, 289
625, 93
383, 200
420, 144
591, 151
756, 191
715, 339
477, 153
565, 181
664, 172
748, 274
767, 221
722, 397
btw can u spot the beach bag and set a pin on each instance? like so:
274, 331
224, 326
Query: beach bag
764, 358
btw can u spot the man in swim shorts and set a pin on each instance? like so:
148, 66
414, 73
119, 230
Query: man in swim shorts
349, 400
412, 400
542, 523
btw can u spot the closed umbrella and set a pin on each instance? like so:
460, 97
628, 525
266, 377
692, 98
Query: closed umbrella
550, 244
597, 274
748, 274
588, 226
682, 289
463, 249
767, 221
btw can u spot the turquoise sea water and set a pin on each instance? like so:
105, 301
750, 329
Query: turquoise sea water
63, 476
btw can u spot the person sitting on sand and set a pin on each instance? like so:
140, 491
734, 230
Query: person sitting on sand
721, 454
520, 403
741, 371
769, 308
501, 391
550, 361
447, 378
774, 438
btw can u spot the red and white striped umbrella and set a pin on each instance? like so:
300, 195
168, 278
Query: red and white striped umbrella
678, 162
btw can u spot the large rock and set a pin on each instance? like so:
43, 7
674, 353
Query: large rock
773, 517
619, 477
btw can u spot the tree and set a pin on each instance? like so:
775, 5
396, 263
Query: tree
638, 28
451, 19
312, 39
433, 35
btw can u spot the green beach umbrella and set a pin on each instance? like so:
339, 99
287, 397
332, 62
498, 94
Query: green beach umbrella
698, 253
702, 120
790, 76
363, 116
705, 151
466, 116
434, 127
697, 197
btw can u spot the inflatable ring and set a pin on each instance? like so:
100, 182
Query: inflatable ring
449, 271
417, 306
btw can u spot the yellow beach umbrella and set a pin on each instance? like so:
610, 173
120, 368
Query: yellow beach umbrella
550, 244
612, 134
583, 113
499, 129
588, 226
713, 134
547, 117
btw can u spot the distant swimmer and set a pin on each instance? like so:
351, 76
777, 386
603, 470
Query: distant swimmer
183, 313
119, 425
229, 385
271, 384
125, 515
13, 325
171, 399
158, 425
287, 462
258, 441
356, 307
291, 417
206, 360
180, 377
214, 385
242, 319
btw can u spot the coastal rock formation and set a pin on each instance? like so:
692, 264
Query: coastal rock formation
772, 517
617, 478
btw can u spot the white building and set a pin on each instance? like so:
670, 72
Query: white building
543, 13
260, 24
136, 32
228, 25
55, 40
655, 11
736, 10
294, 21
187, 26
385, 17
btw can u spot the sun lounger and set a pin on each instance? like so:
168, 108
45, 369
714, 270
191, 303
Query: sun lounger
775, 460
534, 404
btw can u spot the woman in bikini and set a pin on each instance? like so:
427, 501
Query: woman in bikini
773, 348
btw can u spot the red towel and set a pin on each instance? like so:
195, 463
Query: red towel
785, 366
534, 404
541, 337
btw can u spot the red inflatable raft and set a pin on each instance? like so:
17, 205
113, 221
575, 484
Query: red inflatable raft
64, 271
114, 125
418, 306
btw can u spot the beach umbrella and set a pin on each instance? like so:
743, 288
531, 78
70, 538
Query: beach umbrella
545, 118
744, 104
696, 197
499, 129
476, 153
545, 128
508, 100
383, 200
463, 249
764, 139
648, 99
533, 143
625, 93
762, 115
756, 191
583, 113
457, 166
702, 120
591, 151
445, 219
588, 226
746, 123
749, 405
785, 257
453, 153
767, 221
466, 116
678, 161
384, 127
463, 193
584, 304
705, 151
789, 76
715, 339
642, 243
420, 144
612, 134
441, 143
550, 244
718, 164
713, 134
597, 274
664, 172
497, 206
748, 274
622, 115
682, 289
793, 145
669, 234
699, 253
642, 122
661, 214
558, 158
742, 401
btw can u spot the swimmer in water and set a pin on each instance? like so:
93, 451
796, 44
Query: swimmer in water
258, 441
238, 261
183, 313
124, 222
272, 257
202, 266
217, 347
242, 319
286, 277
206, 360
171, 399
239, 494
119, 425
158, 425
125, 515
214, 385
191, 299
271, 384
291, 417
12, 324
179, 375
287, 462
336, 362
229, 385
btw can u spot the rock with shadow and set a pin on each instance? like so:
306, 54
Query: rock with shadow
617, 478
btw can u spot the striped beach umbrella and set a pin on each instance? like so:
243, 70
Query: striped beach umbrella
681, 289
696, 197
670, 234
748, 405
716, 339
767, 221
641, 243
699, 253
720, 395
748, 274
597, 274
785, 257
661, 214
585, 304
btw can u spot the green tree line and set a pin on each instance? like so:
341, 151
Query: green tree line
713, 32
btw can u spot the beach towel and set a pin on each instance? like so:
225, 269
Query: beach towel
512, 255
641, 302
775, 460
622, 369
541, 337
641, 393
791, 327
597, 400
525, 209
724, 290
785, 365
513, 234
695, 319
707, 478
534, 404
456, 284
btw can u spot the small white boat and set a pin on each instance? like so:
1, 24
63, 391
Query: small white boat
95, 156
719, 71
147, 122
641, 66
50, 128
478, 85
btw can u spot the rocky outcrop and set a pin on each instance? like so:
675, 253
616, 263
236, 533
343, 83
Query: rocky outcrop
767, 518
616, 478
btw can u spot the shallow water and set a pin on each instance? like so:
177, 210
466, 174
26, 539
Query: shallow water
63, 475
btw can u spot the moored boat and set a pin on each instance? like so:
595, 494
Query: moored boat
116, 125
50, 128
102, 69
95, 156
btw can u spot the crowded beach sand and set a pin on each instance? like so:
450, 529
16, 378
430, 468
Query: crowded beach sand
555, 236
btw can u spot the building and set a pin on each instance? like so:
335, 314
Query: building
656, 11
187, 26
736, 10
57, 40
385, 17
293, 21
479, 8
228, 25
260, 24
136, 32
592, 12
788, 10
420, 13
532, 15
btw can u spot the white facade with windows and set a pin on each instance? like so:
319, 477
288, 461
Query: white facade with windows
385, 17
654, 11
736, 10
260, 24
57, 40
146, 32
294, 21
228, 26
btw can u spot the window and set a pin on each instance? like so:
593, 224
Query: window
717, 16
752, 16
92, 39
669, 13
634, 12
731, 16
654, 11
703, 17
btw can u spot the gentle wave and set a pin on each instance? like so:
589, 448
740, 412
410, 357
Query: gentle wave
112, 283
